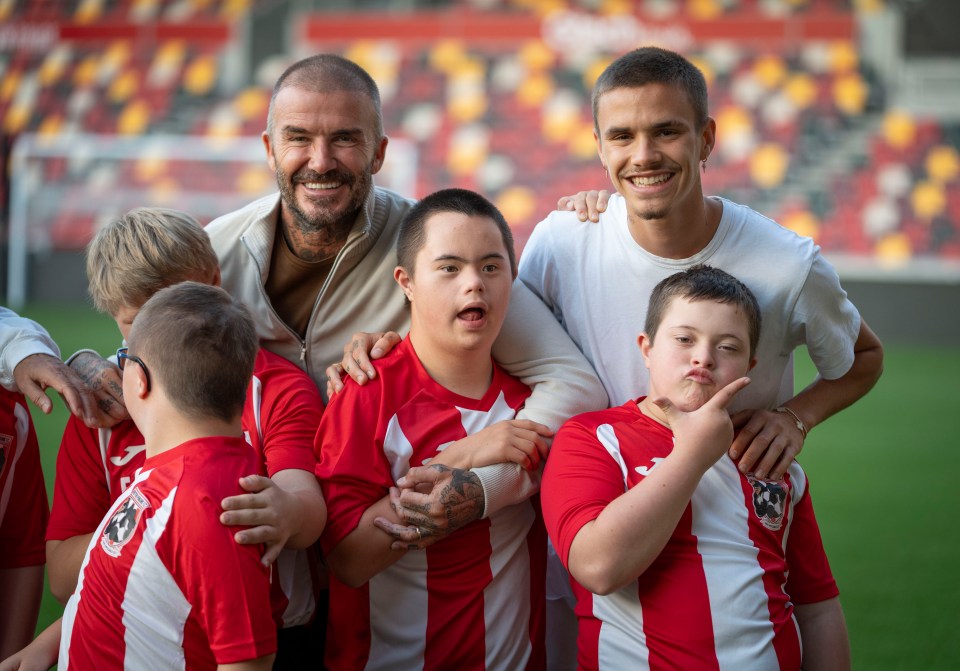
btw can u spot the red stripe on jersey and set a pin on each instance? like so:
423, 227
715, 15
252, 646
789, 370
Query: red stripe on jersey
674, 589
455, 599
786, 639
23, 495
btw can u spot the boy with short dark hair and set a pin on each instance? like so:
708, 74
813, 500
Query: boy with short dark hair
163, 583
474, 597
680, 560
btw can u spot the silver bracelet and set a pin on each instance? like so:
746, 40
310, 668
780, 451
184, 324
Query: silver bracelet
799, 422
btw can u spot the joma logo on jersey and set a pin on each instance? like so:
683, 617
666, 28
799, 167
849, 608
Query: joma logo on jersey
123, 523
645, 470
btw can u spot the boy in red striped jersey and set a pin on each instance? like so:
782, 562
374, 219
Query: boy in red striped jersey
163, 584
680, 560
411, 591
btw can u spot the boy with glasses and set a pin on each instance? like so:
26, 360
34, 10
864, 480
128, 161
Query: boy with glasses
163, 584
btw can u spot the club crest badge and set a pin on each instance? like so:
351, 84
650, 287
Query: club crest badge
124, 522
769, 501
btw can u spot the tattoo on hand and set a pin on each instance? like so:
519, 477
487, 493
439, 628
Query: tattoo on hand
462, 499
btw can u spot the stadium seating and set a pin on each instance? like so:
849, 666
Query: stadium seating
510, 119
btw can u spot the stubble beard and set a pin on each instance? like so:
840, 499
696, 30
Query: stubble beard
334, 227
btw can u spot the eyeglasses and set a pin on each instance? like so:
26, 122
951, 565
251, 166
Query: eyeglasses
122, 357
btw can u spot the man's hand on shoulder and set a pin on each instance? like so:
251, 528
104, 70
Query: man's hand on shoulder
587, 204
272, 515
103, 379
38, 372
357, 355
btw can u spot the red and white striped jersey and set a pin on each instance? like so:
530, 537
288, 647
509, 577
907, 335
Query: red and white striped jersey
280, 418
474, 600
163, 584
722, 592
23, 496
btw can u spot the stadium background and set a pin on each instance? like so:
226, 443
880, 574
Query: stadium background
838, 118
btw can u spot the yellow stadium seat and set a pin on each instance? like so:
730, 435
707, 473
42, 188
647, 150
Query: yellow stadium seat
843, 57
583, 145
252, 103
928, 200
801, 90
850, 94
770, 70
200, 75
517, 203
768, 165
894, 250
123, 87
134, 118
536, 55
88, 11
704, 10
9, 86
899, 129
802, 222
254, 181
943, 164
535, 89
16, 119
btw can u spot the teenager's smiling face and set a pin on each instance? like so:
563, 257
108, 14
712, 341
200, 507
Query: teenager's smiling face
650, 144
459, 287
699, 348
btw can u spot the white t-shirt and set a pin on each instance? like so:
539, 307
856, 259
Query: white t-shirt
597, 280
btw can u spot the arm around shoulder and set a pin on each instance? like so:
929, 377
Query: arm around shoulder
533, 347
824, 398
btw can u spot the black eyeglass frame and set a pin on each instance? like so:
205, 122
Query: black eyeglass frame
123, 355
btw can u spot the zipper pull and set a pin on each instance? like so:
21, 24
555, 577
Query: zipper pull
303, 351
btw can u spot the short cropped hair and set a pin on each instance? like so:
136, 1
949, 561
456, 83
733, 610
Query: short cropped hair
463, 201
704, 283
199, 344
328, 72
652, 65
145, 250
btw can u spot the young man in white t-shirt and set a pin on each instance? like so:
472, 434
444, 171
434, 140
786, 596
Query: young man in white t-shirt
654, 136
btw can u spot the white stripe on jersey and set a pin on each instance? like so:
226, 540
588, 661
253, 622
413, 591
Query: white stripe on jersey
70, 611
733, 575
475, 421
398, 614
397, 449
621, 628
608, 438
256, 392
104, 438
22, 416
154, 608
501, 608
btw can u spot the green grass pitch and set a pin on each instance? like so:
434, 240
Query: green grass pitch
884, 477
